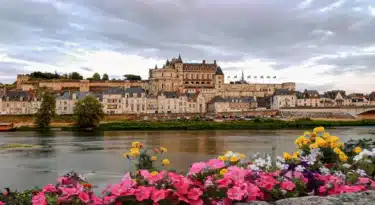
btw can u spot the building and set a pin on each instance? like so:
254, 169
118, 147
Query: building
309, 98
231, 104
134, 101
283, 98
19, 103
335, 98
65, 103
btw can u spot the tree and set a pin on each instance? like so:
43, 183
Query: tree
46, 111
105, 77
76, 76
96, 76
88, 112
132, 77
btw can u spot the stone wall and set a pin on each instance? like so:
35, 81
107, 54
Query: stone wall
362, 198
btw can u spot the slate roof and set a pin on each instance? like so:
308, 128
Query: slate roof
232, 99
64, 96
114, 91
170, 94
311, 94
282, 92
219, 71
16, 95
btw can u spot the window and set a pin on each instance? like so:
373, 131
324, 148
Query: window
65, 108
65, 102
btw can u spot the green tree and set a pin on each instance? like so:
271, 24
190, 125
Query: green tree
132, 77
76, 76
96, 76
46, 111
88, 112
105, 77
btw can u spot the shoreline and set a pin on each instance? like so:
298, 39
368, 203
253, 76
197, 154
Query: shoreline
257, 124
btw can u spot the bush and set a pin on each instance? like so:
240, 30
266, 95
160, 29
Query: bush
88, 112
46, 111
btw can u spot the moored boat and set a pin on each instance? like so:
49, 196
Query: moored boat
7, 127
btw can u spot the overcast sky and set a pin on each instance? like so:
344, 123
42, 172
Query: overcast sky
320, 44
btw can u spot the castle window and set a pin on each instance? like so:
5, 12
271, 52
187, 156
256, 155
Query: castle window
196, 82
186, 82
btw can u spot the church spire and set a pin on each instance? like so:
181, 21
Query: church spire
156, 66
179, 56
242, 77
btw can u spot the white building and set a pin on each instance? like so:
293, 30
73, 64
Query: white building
283, 98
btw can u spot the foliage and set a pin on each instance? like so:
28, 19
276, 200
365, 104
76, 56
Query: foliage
229, 179
44, 75
105, 76
88, 112
46, 111
75, 76
96, 76
132, 77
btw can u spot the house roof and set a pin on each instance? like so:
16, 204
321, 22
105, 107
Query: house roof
282, 92
170, 94
134, 90
219, 71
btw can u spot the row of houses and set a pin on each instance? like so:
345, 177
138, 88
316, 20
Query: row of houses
283, 98
132, 100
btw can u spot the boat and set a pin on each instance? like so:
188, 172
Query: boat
7, 127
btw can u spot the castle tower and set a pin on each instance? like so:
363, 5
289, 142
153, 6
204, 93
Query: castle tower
219, 78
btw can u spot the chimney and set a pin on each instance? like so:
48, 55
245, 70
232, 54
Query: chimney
215, 62
204, 62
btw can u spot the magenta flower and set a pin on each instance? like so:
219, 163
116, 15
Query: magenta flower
49, 188
143, 193
288, 185
363, 180
2, 203
215, 164
194, 194
39, 199
197, 167
159, 194
236, 193
253, 192
224, 182
96, 200
69, 191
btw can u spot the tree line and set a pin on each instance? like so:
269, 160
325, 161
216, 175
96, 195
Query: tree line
37, 75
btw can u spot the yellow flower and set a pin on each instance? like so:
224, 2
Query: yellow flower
223, 171
154, 173
307, 133
229, 153
221, 158
313, 146
135, 144
325, 135
334, 145
234, 159
134, 152
134, 180
225, 158
287, 156
127, 155
320, 142
295, 156
242, 156
153, 158
165, 162
343, 157
357, 150
319, 129
337, 150
163, 149
332, 139
299, 140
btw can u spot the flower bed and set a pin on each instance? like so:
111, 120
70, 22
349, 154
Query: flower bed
322, 165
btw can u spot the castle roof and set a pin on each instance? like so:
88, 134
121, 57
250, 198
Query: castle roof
219, 71
282, 92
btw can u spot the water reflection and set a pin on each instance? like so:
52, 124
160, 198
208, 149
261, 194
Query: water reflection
99, 154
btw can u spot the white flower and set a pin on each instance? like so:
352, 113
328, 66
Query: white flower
361, 172
253, 167
260, 162
346, 165
340, 174
283, 192
299, 168
324, 171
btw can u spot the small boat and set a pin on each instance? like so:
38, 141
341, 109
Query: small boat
7, 127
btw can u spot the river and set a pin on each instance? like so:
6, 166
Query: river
100, 155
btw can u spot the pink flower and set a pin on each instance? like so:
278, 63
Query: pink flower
39, 199
49, 188
84, 197
373, 184
194, 194
2, 203
363, 180
224, 182
96, 200
288, 185
298, 175
121, 190
69, 191
127, 181
236, 173
236, 193
109, 199
182, 185
143, 193
152, 178
253, 192
215, 164
197, 167
158, 194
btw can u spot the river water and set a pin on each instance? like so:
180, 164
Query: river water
99, 156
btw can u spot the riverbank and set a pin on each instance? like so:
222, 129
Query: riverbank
257, 124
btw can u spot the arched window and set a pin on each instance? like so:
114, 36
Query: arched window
196, 82
186, 82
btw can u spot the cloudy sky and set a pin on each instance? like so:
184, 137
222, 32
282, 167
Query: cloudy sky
320, 44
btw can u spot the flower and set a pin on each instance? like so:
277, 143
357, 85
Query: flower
223, 171
197, 167
357, 150
134, 152
163, 149
234, 159
242, 156
361, 172
84, 197
154, 173
135, 144
295, 156
288, 185
153, 158
299, 168
127, 155
320, 142
39, 199
319, 129
313, 146
287, 156
165, 162
236, 193
343, 157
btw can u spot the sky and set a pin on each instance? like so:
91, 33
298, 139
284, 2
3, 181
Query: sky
319, 44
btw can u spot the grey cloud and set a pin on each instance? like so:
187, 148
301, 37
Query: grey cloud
351, 63
86, 69
9, 70
213, 30
319, 88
